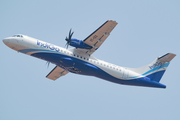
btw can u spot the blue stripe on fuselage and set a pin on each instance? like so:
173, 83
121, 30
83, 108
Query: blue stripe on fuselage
156, 68
36, 50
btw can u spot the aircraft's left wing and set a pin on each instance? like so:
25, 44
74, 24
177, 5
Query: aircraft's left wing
99, 36
56, 73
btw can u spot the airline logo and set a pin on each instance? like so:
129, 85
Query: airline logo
47, 45
155, 65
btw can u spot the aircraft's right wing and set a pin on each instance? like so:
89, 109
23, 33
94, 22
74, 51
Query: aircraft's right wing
56, 73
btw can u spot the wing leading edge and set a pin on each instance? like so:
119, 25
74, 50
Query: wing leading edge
56, 73
99, 36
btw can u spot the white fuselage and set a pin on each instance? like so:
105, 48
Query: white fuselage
72, 58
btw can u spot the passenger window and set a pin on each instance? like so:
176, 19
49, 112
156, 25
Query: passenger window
77, 55
18, 35
81, 56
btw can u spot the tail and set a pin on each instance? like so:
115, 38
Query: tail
156, 69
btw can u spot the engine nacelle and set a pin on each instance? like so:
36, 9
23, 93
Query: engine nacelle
79, 44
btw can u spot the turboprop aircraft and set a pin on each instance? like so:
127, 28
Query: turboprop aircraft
79, 59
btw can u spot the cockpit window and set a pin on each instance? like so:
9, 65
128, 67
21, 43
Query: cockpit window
17, 36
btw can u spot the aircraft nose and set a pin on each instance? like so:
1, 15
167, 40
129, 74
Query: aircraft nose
5, 41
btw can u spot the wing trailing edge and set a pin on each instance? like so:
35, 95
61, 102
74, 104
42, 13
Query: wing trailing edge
56, 73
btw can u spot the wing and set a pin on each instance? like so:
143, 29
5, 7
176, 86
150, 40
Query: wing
99, 36
56, 73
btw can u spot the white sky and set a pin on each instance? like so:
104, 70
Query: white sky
146, 29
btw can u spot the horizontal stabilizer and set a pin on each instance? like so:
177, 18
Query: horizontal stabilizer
167, 57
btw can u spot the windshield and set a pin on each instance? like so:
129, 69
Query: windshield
17, 36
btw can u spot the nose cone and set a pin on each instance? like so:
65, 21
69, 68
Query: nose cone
6, 41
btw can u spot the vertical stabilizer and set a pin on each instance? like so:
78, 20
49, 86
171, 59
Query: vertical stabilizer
156, 69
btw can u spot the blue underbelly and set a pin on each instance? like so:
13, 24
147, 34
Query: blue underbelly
82, 67
69, 63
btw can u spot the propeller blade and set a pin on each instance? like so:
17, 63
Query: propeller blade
66, 45
66, 39
47, 63
70, 32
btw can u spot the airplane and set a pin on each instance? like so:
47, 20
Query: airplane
79, 59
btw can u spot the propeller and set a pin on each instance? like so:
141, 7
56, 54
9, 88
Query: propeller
47, 63
68, 39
